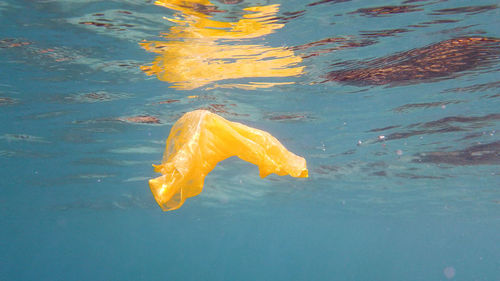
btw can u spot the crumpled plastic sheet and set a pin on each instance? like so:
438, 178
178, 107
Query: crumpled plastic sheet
199, 140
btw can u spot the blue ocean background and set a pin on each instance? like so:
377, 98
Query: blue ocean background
74, 165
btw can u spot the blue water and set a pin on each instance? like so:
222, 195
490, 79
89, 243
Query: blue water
404, 176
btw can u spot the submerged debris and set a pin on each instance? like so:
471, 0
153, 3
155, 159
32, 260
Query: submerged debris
201, 139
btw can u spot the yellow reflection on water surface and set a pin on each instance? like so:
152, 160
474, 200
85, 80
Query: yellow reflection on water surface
200, 50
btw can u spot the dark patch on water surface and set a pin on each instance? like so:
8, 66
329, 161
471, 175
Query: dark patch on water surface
339, 42
475, 135
384, 33
96, 96
474, 88
231, 1
387, 10
469, 10
124, 12
77, 136
411, 106
440, 60
206, 9
100, 24
373, 169
327, 1
23, 137
222, 109
328, 169
414, 1
45, 115
99, 96
460, 29
167, 101
88, 97
440, 21
447, 124
288, 117
349, 152
108, 21
415, 176
443, 125
13, 43
473, 121
380, 174
343, 43
287, 16
141, 119
481, 154
7, 101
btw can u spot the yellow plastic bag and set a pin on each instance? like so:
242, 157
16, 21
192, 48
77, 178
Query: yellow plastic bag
199, 140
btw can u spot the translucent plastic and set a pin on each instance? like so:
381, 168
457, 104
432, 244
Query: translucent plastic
199, 140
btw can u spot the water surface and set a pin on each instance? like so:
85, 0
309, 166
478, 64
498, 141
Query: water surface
395, 106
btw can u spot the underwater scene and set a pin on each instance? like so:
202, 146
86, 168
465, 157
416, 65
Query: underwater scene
250, 140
